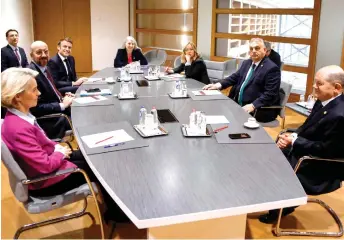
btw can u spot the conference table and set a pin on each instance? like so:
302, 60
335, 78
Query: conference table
179, 187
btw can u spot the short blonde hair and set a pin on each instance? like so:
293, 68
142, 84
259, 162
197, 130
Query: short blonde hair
13, 82
131, 39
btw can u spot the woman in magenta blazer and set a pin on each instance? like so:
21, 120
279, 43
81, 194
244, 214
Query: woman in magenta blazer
35, 153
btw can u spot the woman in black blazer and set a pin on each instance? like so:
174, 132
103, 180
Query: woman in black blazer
192, 64
129, 53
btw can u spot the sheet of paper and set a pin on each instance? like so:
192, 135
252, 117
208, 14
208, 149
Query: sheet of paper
206, 92
91, 80
216, 119
106, 138
84, 100
102, 92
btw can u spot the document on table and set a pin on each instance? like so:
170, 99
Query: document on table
103, 92
206, 92
84, 100
216, 119
107, 138
93, 80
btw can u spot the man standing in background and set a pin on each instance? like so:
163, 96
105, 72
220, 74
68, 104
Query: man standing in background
12, 55
272, 54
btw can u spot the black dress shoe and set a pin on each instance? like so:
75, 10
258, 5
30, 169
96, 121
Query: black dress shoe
272, 216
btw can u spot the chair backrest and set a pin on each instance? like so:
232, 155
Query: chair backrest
156, 57
284, 92
216, 70
15, 174
177, 61
240, 61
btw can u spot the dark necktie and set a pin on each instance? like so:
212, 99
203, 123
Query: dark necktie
50, 78
243, 86
70, 75
16, 52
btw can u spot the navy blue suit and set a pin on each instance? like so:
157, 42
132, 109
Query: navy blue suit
122, 57
9, 58
321, 135
49, 103
63, 81
262, 90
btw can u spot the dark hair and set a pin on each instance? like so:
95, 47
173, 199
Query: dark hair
11, 30
67, 39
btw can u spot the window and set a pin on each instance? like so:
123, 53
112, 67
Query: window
291, 27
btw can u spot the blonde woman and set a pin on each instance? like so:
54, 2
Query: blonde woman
129, 53
192, 64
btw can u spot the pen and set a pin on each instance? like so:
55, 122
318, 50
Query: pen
220, 129
161, 129
95, 97
104, 140
114, 145
202, 93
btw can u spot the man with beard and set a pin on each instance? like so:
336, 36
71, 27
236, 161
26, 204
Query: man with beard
50, 101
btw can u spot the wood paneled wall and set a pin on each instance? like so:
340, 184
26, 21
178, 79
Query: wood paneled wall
56, 19
342, 59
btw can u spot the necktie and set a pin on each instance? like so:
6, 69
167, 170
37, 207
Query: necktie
50, 78
18, 57
69, 69
247, 80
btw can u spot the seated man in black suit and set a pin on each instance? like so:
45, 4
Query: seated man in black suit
256, 84
272, 54
62, 67
51, 100
12, 55
321, 135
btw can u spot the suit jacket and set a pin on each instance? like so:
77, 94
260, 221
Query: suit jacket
197, 70
9, 58
122, 57
48, 101
59, 73
275, 57
32, 150
321, 135
262, 90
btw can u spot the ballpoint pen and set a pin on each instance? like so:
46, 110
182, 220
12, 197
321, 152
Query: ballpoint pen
104, 140
114, 145
220, 129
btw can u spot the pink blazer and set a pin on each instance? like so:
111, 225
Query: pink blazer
32, 150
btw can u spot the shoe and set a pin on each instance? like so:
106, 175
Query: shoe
272, 216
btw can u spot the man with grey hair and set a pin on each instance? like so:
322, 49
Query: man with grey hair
256, 84
321, 135
51, 100
272, 54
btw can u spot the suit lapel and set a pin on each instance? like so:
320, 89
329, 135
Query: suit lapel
13, 54
321, 113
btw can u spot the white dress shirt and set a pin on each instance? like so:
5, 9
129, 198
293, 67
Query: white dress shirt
64, 63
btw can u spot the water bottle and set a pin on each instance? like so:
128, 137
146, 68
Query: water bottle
150, 72
154, 112
177, 88
130, 88
143, 113
193, 119
184, 89
202, 123
124, 88
302, 98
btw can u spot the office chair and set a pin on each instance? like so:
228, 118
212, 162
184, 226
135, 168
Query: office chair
34, 205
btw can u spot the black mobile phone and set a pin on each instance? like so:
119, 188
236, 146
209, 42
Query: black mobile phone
91, 90
142, 83
165, 115
239, 136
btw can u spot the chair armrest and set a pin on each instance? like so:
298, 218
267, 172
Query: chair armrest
312, 158
51, 175
56, 115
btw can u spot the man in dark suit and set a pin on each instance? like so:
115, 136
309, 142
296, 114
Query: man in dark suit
12, 55
256, 84
272, 54
62, 67
51, 100
321, 135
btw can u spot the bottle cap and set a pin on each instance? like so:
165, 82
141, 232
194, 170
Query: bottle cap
194, 110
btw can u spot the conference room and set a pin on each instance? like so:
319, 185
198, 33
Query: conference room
131, 119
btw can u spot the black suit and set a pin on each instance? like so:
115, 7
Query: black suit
49, 103
63, 81
122, 57
9, 58
321, 135
275, 57
262, 90
197, 70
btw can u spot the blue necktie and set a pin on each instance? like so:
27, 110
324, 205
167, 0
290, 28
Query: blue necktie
247, 80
